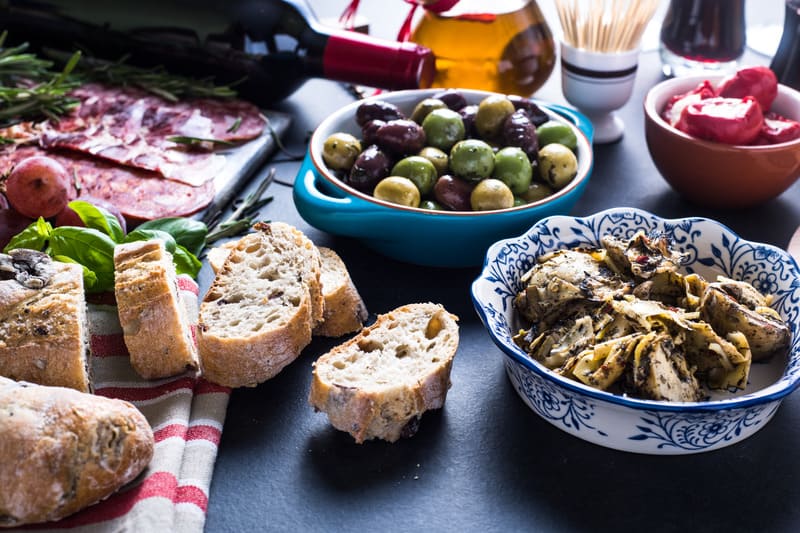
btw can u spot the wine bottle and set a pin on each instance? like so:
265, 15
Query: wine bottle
267, 48
786, 62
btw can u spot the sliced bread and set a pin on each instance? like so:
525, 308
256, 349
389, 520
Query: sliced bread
344, 309
155, 325
44, 335
379, 383
259, 312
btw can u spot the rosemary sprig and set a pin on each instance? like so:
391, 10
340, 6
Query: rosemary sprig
155, 80
16, 64
244, 215
194, 141
49, 98
31, 89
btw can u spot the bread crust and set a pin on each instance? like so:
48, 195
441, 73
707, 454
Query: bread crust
44, 331
345, 311
155, 327
62, 450
270, 281
387, 404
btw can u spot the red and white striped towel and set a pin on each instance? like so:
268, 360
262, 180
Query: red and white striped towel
186, 414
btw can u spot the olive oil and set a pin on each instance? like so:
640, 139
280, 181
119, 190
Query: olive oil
504, 46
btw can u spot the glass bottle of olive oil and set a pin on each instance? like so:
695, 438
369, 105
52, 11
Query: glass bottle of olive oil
502, 45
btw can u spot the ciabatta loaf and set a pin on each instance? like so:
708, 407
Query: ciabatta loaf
259, 312
43, 321
62, 450
156, 328
379, 383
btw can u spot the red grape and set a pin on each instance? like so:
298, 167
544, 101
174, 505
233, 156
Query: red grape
38, 186
11, 223
3, 202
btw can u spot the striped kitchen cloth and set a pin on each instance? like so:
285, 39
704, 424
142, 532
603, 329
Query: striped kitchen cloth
186, 414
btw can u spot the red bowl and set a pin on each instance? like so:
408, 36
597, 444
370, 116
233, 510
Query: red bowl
718, 175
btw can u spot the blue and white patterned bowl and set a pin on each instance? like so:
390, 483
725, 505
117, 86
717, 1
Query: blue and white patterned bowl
621, 422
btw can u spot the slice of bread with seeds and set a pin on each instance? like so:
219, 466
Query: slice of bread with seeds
379, 383
259, 312
44, 333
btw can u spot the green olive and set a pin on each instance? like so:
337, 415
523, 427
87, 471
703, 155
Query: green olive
472, 159
443, 128
437, 157
431, 205
537, 191
419, 170
553, 131
557, 165
340, 151
512, 167
424, 107
491, 194
492, 113
397, 190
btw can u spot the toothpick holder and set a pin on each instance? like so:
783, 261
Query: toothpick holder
599, 83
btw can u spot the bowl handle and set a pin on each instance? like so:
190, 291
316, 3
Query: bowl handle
580, 120
345, 213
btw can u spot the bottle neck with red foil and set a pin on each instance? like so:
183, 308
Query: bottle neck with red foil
365, 60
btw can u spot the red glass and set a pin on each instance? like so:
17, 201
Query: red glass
702, 35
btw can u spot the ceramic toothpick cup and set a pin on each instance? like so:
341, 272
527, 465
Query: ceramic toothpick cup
599, 83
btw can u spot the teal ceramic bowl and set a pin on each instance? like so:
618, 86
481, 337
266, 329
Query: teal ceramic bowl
431, 238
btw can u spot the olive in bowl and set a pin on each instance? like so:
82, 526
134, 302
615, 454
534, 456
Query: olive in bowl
716, 174
430, 233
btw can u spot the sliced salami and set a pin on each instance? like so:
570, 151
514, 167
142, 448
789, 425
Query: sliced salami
131, 127
140, 195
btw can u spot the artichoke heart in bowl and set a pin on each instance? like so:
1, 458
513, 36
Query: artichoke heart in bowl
640, 333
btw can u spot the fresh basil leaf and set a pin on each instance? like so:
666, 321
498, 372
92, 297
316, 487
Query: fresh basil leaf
89, 276
34, 237
186, 262
189, 233
140, 234
89, 247
98, 218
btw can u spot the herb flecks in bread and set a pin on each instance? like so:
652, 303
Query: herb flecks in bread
259, 312
379, 383
63, 450
153, 317
43, 321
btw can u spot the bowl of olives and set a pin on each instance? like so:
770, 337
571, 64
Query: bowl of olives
435, 176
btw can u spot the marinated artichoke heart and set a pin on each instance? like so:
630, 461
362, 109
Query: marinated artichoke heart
623, 318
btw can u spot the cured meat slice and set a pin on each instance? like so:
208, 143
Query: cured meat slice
140, 195
131, 127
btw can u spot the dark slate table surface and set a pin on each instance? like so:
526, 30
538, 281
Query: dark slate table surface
485, 462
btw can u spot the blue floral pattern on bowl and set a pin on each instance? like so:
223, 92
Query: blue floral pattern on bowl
631, 424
